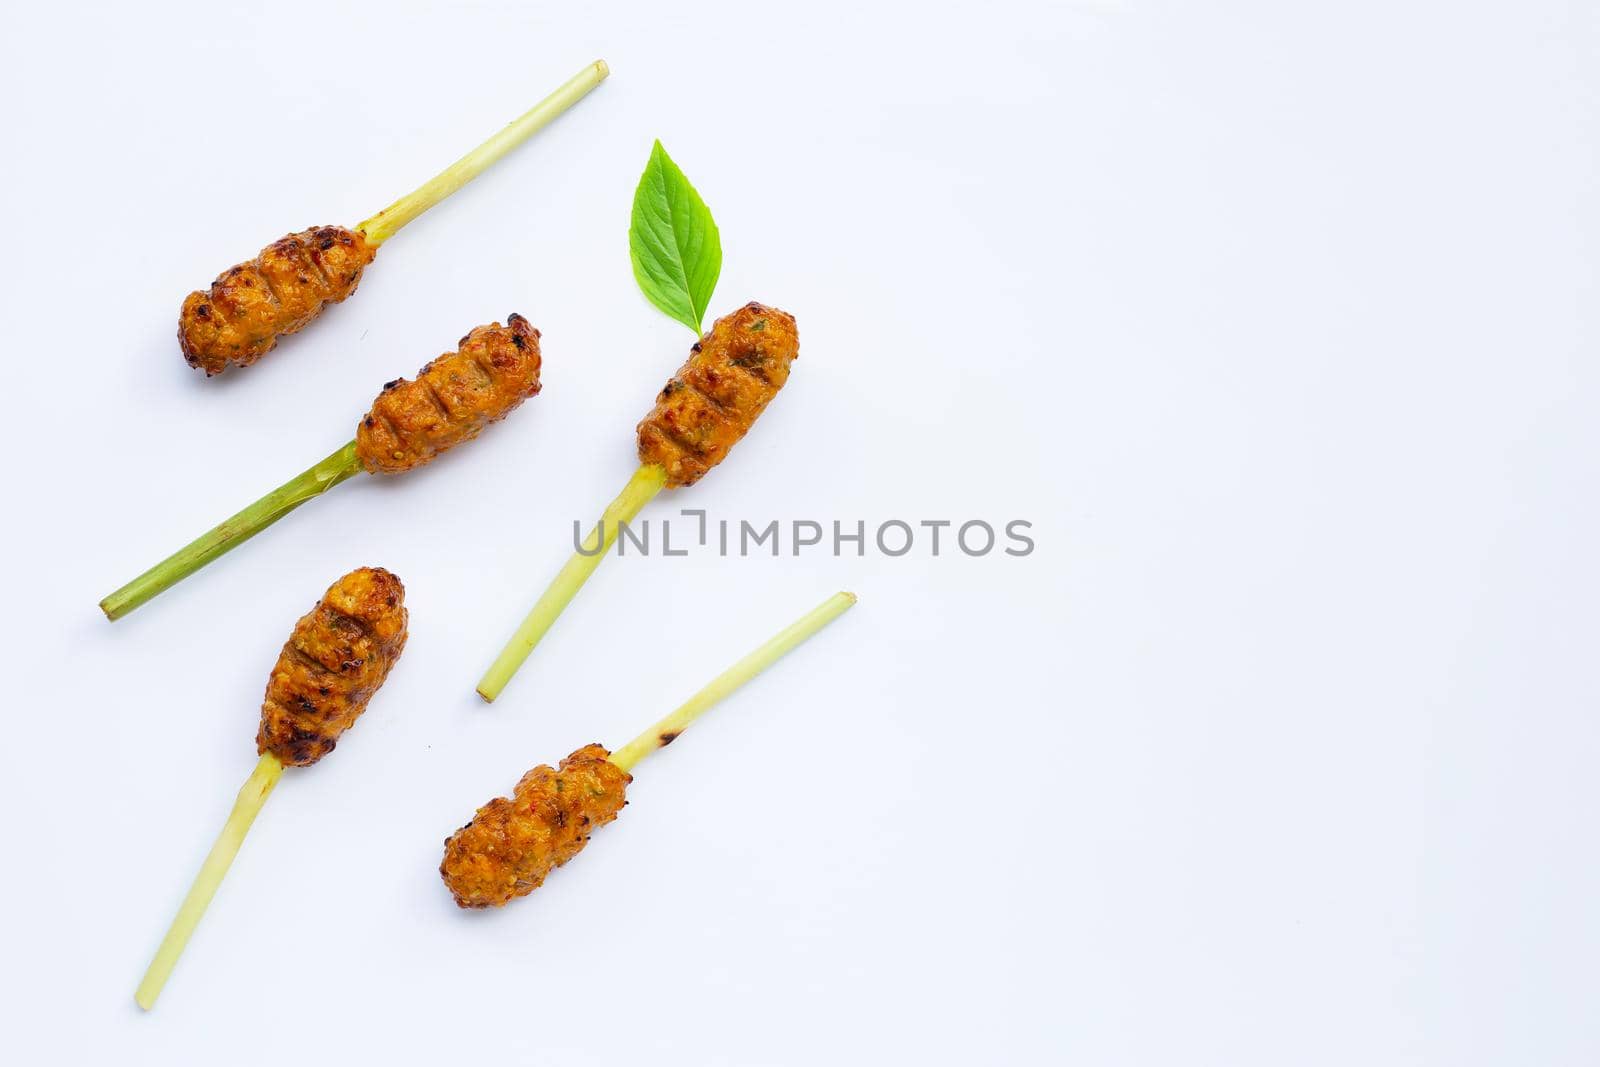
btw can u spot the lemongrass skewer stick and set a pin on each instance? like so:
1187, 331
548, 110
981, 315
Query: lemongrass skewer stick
252, 795
667, 730
640, 490
234, 531
382, 226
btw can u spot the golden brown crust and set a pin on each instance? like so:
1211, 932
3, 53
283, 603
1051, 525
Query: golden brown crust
453, 399
732, 374
513, 842
252, 304
337, 657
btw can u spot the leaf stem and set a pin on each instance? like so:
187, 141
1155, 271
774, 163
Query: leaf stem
667, 730
640, 490
233, 531
386, 223
252, 795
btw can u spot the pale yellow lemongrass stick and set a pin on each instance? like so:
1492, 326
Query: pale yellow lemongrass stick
382, 226
252, 795
667, 730
640, 490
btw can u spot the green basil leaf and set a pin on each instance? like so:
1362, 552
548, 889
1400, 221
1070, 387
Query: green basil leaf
676, 250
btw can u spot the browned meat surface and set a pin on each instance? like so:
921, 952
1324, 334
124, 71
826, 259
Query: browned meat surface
337, 657
732, 374
513, 842
453, 399
252, 304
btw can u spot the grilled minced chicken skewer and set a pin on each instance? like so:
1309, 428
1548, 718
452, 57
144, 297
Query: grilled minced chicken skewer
336, 658
250, 305
513, 842
452, 400
707, 407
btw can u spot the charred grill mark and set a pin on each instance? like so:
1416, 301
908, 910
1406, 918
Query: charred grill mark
324, 282
350, 622
268, 288
435, 399
716, 405
388, 426
294, 255
306, 659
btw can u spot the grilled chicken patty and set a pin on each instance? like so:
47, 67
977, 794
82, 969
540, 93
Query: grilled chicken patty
513, 842
453, 398
730, 377
337, 657
251, 305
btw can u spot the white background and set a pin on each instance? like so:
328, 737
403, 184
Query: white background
1278, 321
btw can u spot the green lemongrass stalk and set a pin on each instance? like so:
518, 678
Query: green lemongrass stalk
382, 226
667, 730
233, 531
252, 795
640, 490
